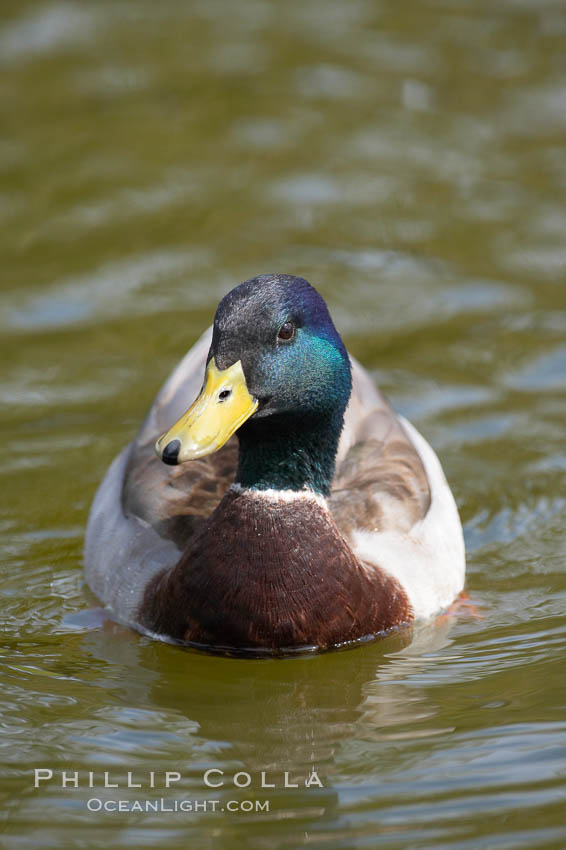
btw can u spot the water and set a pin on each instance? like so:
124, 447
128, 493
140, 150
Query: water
408, 159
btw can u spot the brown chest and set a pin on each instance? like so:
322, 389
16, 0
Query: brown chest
273, 574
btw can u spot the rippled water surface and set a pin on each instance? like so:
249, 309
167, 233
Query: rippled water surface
410, 160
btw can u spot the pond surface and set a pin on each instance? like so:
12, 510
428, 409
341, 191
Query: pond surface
409, 159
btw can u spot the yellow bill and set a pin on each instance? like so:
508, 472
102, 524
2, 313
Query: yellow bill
222, 406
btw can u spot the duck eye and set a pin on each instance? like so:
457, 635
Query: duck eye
286, 331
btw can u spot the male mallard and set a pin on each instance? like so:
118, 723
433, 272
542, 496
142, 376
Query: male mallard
328, 520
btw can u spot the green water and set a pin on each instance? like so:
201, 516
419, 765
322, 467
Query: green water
409, 159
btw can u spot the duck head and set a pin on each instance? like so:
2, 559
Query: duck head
277, 370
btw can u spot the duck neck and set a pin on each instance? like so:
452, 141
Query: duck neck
286, 453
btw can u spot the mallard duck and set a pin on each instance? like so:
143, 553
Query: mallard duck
289, 508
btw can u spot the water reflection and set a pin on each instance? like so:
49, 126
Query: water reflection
298, 713
181, 710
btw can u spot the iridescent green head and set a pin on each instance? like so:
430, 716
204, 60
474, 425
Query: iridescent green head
279, 376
